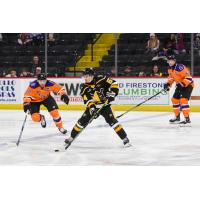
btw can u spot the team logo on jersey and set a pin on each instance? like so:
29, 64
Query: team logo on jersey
179, 67
41, 95
47, 89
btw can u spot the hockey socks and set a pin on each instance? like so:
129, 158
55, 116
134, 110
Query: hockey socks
76, 130
119, 130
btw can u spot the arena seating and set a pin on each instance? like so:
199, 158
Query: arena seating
131, 52
71, 46
64, 53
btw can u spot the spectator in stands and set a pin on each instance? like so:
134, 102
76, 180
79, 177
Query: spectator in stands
52, 38
156, 72
1, 37
25, 74
170, 43
197, 43
12, 74
169, 46
153, 44
24, 39
112, 71
2, 73
35, 65
127, 71
180, 47
38, 71
174, 44
38, 39
142, 74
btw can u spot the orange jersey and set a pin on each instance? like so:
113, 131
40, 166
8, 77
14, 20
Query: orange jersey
180, 74
35, 93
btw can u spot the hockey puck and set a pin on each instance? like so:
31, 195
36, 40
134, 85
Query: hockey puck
56, 150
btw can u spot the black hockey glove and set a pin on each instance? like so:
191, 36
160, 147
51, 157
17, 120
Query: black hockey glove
27, 107
93, 111
110, 96
166, 87
65, 98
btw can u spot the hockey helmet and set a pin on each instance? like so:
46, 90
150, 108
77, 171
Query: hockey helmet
171, 57
88, 71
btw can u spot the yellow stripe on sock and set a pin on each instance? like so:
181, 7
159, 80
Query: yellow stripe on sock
77, 128
118, 128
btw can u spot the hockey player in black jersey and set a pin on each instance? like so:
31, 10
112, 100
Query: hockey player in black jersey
95, 92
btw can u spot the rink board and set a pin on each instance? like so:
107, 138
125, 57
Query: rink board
114, 107
132, 91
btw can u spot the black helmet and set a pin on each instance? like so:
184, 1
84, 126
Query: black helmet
41, 77
88, 71
171, 57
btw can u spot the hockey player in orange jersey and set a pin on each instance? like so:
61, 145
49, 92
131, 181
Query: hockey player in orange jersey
179, 74
37, 94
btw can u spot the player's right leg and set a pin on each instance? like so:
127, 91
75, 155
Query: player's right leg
176, 106
79, 126
52, 108
186, 94
108, 115
35, 114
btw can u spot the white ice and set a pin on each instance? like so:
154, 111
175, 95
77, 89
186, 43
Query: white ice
154, 141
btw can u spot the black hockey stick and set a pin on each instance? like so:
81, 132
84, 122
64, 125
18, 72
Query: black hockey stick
132, 108
91, 119
20, 135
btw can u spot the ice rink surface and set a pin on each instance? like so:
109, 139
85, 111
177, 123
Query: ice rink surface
155, 141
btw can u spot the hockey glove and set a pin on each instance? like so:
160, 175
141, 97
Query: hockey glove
166, 87
65, 98
27, 107
93, 111
110, 96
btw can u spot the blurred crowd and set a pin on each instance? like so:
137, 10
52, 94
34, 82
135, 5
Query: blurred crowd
35, 69
172, 44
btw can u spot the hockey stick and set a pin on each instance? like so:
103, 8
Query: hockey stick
132, 108
91, 119
20, 135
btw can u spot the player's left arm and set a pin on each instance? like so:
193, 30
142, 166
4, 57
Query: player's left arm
186, 77
58, 89
113, 89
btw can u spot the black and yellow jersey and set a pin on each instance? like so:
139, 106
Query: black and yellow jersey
95, 92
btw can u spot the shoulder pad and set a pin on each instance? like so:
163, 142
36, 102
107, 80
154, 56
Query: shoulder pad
83, 87
49, 83
34, 84
100, 78
179, 67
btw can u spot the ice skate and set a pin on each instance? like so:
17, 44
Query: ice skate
43, 121
126, 142
175, 120
62, 130
185, 123
68, 142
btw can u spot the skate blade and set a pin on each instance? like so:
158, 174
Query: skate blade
185, 125
127, 145
64, 133
174, 122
